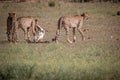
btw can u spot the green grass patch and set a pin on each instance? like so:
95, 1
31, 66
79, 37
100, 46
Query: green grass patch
57, 62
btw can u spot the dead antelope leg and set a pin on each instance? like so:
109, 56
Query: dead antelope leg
80, 31
74, 37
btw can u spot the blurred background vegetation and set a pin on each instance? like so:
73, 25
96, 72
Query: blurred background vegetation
60, 0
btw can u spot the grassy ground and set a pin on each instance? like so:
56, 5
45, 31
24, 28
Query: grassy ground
96, 58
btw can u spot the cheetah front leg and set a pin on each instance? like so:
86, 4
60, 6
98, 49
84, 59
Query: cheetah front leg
67, 33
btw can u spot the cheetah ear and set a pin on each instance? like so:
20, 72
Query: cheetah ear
9, 13
14, 13
36, 20
83, 14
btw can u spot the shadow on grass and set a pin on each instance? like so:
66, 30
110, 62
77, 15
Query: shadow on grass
39, 42
30, 42
4, 42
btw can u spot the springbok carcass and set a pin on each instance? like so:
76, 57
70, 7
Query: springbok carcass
40, 32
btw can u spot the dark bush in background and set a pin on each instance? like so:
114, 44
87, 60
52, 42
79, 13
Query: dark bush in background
51, 4
118, 12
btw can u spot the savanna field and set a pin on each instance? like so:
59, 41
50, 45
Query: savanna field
96, 58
